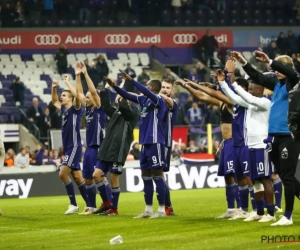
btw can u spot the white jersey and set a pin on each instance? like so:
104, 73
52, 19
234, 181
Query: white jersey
257, 115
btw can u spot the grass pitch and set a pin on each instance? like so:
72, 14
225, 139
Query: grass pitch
40, 223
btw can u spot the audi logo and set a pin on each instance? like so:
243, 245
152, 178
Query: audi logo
47, 39
185, 38
117, 39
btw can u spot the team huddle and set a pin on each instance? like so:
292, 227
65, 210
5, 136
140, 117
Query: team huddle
156, 114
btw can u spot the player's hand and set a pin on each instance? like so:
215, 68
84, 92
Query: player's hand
66, 78
269, 140
189, 82
180, 83
207, 84
109, 81
78, 69
230, 64
261, 56
220, 75
118, 99
54, 84
238, 56
125, 76
83, 68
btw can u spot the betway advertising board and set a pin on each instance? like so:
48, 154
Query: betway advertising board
90, 39
48, 184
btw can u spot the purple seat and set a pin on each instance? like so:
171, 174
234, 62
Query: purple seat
5, 92
183, 97
47, 91
9, 98
43, 105
6, 84
28, 104
44, 77
27, 92
2, 77
28, 98
6, 104
11, 77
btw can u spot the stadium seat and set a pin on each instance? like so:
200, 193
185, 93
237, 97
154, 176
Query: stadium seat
80, 56
200, 22
188, 22
86, 23
62, 23
258, 4
290, 22
100, 23
176, 22
111, 23
279, 22
268, 5
49, 23
268, 21
73, 23
246, 21
234, 4
134, 22
144, 59
246, 4
257, 21
211, 22
122, 23
234, 21
166, 21
37, 57
188, 14
36, 23
165, 13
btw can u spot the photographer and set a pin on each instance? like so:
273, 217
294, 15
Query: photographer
61, 58
18, 89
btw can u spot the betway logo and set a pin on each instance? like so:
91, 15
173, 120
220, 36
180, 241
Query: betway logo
181, 177
265, 40
11, 40
15, 187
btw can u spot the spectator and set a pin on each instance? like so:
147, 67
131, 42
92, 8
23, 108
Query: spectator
100, 86
135, 151
208, 44
46, 124
19, 14
273, 50
194, 118
192, 149
185, 72
102, 67
35, 8
143, 78
202, 148
8, 161
222, 54
201, 71
188, 103
8, 15
128, 85
50, 160
18, 89
11, 153
56, 119
213, 115
51, 108
94, 72
291, 44
56, 158
168, 75
61, 59
45, 156
39, 155
129, 71
48, 8
194, 76
281, 43
27, 148
22, 159
83, 10
176, 152
35, 113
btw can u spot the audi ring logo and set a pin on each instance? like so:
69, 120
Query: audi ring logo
47, 39
185, 38
117, 39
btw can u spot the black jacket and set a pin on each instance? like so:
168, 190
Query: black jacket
292, 86
119, 132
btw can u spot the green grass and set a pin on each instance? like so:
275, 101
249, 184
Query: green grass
40, 223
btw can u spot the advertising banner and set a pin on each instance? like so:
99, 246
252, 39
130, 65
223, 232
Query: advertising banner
252, 38
87, 39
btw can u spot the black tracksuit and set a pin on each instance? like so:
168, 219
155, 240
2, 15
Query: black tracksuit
119, 133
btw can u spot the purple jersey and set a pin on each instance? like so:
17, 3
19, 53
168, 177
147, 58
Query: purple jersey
71, 120
171, 115
152, 124
95, 119
239, 133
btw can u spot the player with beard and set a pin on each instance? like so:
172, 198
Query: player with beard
71, 119
171, 115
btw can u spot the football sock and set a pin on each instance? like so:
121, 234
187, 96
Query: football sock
71, 193
160, 190
253, 202
148, 189
271, 209
83, 192
115, 197
108, 191
230, 195
91, 193
101, 190
168, 197
260, 207
244, 197
277, 185
237, 196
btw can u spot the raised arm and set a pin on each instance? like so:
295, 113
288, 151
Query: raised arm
211, 92
198, 94
259, 102
168, 100
255, 75
90, 85
120, 91
55, 100
233, 96
141, 88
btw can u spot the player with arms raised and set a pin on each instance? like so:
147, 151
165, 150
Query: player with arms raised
171, 115
152, 138
71, 118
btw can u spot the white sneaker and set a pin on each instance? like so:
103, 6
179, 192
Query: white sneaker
267, 218
227, 214
283, 222
72, 209
239, 215
144, 214
253, 217
158, 215
88, 211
